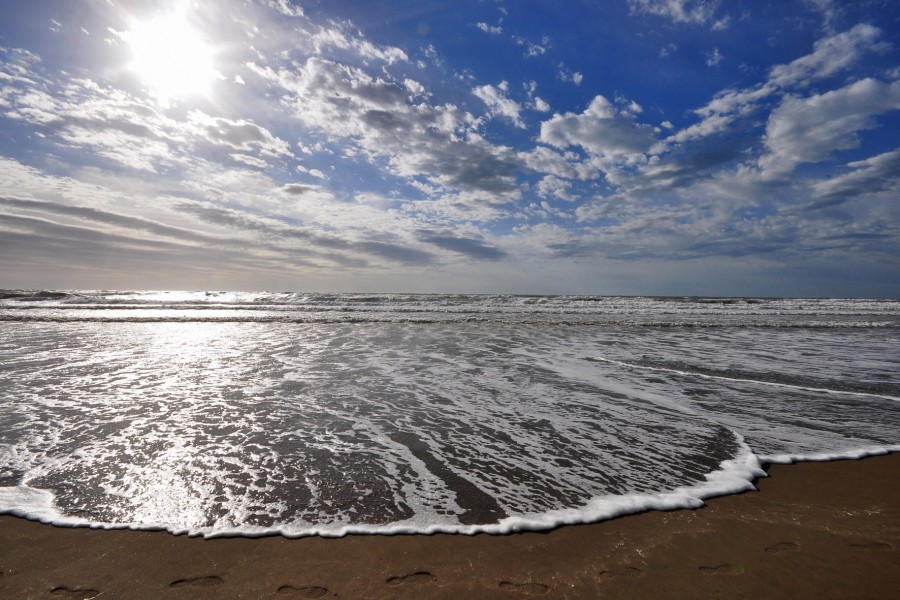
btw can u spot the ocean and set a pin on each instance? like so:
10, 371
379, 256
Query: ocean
326, 414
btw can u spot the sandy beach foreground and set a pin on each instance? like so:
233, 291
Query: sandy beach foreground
813, 530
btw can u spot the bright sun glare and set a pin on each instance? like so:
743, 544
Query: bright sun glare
171, 57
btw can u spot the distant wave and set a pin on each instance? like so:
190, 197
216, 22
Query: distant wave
291, 307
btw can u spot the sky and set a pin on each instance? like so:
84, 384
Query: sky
640, 147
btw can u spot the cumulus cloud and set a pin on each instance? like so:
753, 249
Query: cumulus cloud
872, 175
499, 103
829, 56
601, 130
806, 130
566, 74
239, 134
551, 186
434, 143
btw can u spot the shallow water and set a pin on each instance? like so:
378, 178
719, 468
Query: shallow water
301, 414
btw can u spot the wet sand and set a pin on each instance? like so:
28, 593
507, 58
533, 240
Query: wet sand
813, 530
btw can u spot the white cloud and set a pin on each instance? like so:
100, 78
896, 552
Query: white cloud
337, 36
287, 7
568, 165
313, 172
541, 105
601, 130
713, 58
679, 11
568, 75
667, 50
872, 175
499, 103
805, 130
829, 55
532, 49
250, 160
420, 142
239, 134
555, 187
722, 24
489, 29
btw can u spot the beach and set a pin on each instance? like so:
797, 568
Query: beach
812, 530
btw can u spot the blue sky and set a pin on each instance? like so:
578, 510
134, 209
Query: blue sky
622, 147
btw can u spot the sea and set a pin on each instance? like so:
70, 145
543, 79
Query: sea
250, 414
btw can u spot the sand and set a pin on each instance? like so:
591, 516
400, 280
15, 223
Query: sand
813, 530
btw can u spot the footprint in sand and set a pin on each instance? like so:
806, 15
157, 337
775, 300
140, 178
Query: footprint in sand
303, 591
207, 581
724, 569
74, 593
524, 588
627, 572
783, 547
417, 577
876, 546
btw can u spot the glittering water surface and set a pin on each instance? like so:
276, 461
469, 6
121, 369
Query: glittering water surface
326, 414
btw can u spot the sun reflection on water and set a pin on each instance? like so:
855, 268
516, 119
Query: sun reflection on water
174, 481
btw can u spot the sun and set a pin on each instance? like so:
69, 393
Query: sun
171, 57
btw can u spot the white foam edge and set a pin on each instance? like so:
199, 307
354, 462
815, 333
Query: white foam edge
852, 454
734, 476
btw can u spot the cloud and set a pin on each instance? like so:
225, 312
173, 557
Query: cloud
667, 50
679, 11
287, 7
682, 170
551, 186
566, 74
437, 144
499, 103
489, 29
872, 175
807, 130
97, 217
239, 134
470, 247
133, 132
830, 55
299, 189
532, 49
336, 36
315, 244
713, 58
567, 165
601, 130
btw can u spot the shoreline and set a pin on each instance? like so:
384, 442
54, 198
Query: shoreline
812, 530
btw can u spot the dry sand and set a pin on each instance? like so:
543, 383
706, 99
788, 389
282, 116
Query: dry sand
813, 530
